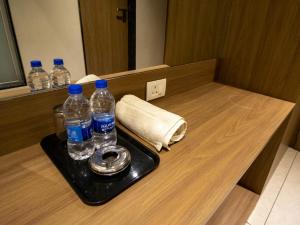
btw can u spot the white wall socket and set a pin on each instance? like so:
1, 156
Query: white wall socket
156, 89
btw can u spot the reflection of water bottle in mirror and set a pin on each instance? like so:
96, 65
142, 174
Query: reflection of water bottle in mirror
103, 108
78, 123
60, 76
38, 78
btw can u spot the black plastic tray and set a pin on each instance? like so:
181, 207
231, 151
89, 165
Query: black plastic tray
94, 189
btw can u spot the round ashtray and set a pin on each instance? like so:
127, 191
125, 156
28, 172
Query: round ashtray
110, 160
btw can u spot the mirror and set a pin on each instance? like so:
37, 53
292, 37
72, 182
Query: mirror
91, 36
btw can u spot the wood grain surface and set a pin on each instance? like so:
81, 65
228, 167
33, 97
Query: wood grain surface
261, 45
105, 38
227, 129
257, 43
236, 208
260, 51
192, 30
255, 177
29, 118
293, 130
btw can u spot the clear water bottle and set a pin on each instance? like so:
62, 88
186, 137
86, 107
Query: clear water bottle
38, 79
103, 109
78, 123
60, 76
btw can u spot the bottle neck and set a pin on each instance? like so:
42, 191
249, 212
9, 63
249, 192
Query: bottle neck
75, 95
59, 66
36, 68
101, 89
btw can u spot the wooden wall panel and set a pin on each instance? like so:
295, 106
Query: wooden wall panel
192, 27
27, 119
261, 49
257, 42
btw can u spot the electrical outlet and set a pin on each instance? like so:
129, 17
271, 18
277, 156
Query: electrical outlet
156, 89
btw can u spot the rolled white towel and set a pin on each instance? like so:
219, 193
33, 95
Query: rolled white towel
88, 78
157, 126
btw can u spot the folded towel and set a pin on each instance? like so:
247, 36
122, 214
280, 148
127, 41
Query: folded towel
157, 126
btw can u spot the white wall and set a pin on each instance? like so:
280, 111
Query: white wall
150, 32
46, 29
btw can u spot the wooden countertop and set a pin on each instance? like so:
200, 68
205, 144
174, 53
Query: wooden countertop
227, 129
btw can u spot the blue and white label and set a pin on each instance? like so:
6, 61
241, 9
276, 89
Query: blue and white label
79, 133
104, 124
86, 130
74, 133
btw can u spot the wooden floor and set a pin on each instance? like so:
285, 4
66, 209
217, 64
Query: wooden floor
236, 209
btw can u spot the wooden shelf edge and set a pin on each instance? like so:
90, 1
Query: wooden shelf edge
236, 208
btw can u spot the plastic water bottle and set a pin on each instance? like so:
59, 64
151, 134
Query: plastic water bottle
103, 109
60, 75
38, 79
78, 123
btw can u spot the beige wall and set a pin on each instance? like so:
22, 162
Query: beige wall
46, 29
150, 32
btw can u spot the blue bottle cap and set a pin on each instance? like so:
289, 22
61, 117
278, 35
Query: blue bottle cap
35, 63
101, 83
58, 61
74, 89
